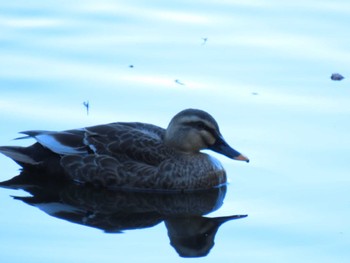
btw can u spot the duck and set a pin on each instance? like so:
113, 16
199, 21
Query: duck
132, 155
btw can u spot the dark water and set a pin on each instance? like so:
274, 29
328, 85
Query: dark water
263, 73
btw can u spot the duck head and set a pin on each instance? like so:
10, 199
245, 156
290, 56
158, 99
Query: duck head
192, 130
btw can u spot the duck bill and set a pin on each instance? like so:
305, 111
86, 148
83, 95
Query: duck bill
222, 147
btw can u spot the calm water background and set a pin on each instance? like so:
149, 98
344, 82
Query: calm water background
263, 73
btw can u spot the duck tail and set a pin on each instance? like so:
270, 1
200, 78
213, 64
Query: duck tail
17, 182
18, 154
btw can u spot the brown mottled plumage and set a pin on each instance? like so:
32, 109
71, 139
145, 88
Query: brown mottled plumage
132, 155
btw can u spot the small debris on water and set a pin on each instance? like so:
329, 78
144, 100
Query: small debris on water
87, 106
179, 82
131, 66
336, 77
255, 93
205, 39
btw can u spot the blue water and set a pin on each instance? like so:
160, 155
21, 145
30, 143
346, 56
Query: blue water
263, 73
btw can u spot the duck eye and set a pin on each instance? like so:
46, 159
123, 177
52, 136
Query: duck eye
200, 125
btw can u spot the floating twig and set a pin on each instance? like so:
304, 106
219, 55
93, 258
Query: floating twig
179, 82
87, 106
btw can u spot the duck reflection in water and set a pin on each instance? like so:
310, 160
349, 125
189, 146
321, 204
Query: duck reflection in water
190, 233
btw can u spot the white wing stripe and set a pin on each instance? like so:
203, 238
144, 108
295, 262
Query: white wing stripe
51, 143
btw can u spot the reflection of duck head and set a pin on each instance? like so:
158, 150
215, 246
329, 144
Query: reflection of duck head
193, 236
115, 211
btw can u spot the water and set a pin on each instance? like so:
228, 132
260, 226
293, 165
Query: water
263, 73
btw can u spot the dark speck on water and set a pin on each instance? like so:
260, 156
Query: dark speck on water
336, 77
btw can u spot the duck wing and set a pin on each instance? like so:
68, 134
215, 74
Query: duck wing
124, 141
133, 141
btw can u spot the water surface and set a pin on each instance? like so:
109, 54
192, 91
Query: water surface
263, 73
